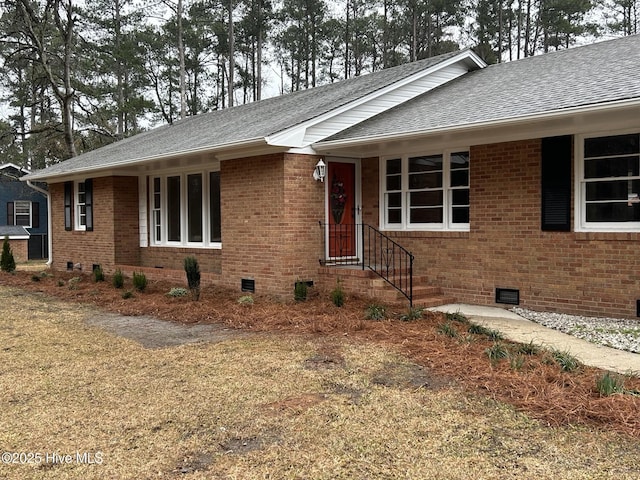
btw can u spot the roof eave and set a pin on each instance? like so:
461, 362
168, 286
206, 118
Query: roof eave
138, 162
359, 141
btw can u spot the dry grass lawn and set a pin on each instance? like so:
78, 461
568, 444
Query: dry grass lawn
261, 406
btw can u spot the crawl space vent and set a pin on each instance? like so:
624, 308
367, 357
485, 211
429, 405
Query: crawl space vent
510, 296
248, 285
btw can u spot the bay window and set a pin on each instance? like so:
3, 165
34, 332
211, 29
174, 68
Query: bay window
426, 192
609, 182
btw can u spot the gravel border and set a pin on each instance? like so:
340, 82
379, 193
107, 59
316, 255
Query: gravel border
610, 332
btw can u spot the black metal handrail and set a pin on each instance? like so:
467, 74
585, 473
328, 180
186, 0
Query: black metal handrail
380, 254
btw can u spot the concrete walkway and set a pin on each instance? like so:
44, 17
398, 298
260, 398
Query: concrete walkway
519, 329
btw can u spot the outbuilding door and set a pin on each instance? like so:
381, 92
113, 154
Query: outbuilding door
343, 208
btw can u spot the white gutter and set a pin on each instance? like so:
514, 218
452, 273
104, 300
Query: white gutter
49, 224
353, 142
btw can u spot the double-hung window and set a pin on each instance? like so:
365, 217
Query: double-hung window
185, 209
609, 182
426, 192
22, 213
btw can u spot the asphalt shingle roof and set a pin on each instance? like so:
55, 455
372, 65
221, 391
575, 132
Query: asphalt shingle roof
583, 76
13, 231
242, 123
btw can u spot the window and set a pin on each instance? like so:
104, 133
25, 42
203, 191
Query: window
81, 206
185, 209
609, 182
426, 192
22, 213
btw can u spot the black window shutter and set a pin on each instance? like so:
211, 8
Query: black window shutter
10, 219
68, 194
556, 183
88, 195
35, 215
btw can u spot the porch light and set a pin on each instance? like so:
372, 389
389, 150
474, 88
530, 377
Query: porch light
319, 171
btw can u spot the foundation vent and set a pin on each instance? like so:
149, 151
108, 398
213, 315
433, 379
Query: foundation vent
248, 285
510, 296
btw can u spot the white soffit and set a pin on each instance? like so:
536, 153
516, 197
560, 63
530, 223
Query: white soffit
376, 102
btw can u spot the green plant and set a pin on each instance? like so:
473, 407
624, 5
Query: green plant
139, 281
73, 283
494, 335
300, 291
128, 294
246, 300
7, 262
178, 292
497, 352
414, 313
98, 274
447, 329
192, 270
118, 279
528, 348
61, 283
456, 317
337, 294
567, 362
375, 312
516, 362
609, 384
35, 278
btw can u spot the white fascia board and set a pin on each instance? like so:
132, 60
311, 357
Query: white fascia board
294, 136
6, 165
550, 115
83, 171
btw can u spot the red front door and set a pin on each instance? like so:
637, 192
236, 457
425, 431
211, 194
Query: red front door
341, 206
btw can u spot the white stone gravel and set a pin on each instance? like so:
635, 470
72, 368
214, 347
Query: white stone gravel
611, 332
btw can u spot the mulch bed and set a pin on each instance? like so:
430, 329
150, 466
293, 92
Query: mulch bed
533, 384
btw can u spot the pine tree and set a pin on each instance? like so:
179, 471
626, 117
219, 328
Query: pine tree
7, 262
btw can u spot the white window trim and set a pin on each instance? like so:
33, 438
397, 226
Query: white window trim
447, 224
77, 205
206, 230
580, 215
16, 214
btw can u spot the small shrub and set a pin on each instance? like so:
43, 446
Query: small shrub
497, 352
98, 274
246, 300
494, 335
447, 329
73, 283
375, 312
567, 362
61, 283
516, 362
118, 279
139, 281
300, 291
178, 292
609, 384
192, 270
337, 294
35, 278
457, 317
7, 262
414, 313
528, 348
128, 294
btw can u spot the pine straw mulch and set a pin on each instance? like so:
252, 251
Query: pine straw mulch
537, 386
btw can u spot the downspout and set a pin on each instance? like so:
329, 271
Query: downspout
49, 226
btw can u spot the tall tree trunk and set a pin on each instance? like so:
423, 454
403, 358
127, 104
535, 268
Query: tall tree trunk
232, 64
183, 87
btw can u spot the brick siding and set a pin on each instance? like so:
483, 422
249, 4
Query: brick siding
582, 273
